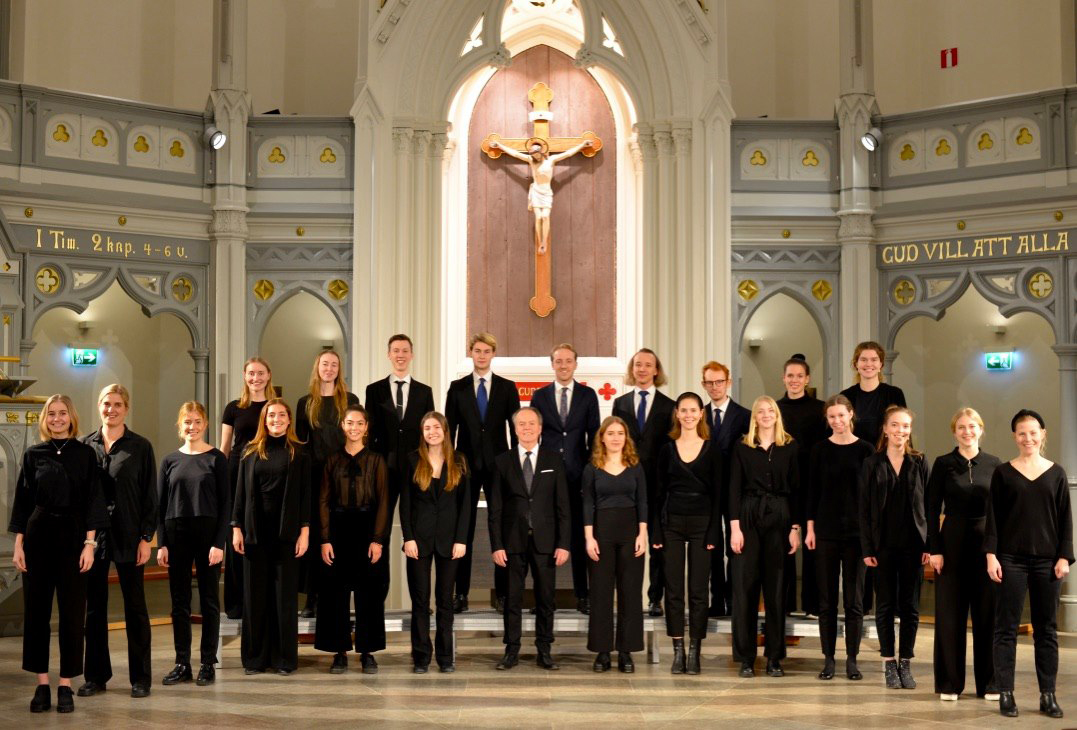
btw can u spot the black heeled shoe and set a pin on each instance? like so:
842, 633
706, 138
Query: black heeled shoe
679, 662
1049, 705
1007, 706
695, 648
852, 671
905, 674
625, 663
828, 669
602, 662
890, 673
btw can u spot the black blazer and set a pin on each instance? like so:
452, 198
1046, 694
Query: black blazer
435, 519
573, 439
481, 441
389, 436
295, 506
655, 432
734, 426
877, 479
508, 503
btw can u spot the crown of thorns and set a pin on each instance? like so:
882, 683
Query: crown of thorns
540, 142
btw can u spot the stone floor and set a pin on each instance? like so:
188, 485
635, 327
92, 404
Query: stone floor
478, 696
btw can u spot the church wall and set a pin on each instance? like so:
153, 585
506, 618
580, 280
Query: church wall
296, 332
783, 327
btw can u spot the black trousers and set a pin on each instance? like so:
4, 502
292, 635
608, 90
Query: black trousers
234, 584
270, 635
834, 559
809, 592
686, 534
351, 573
189, 542
1036, 577
617, 567
310, 565
722, 573
480, 479
418, 571
135, 614
760, 565
543, 574
578, 545
898, 578
961, 587
52, 544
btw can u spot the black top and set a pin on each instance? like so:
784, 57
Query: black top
892, 504
247, 513
435, 519
127, 483
899, 529
191, 486
760, 474
688, 488
805, 420
834, 488
64, 483
962, 485
328, 437
1029, 517
870, 408
602, 490
359, 482
244, 423
270, 475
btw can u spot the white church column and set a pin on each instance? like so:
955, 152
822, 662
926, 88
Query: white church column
1067, 440
651, 203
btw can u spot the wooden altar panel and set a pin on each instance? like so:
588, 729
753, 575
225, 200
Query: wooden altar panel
583, 231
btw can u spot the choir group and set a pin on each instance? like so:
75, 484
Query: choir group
719, 495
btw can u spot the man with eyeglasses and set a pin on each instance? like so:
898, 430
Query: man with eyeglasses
728, 422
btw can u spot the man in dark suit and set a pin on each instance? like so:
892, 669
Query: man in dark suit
569, 423
479, 408
529, 528
728, 422
649, 415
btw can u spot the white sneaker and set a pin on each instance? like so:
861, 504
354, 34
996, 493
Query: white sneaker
948, 697
991, 697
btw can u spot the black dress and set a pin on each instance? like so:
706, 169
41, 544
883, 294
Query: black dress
244, 423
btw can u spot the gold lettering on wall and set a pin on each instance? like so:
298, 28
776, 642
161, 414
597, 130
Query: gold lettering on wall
1016, 245
103, 244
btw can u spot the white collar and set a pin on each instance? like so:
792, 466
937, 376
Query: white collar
393, 378
521, 451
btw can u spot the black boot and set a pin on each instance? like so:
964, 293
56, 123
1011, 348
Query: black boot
310, 607
1049, 705
625, 663
1007, 706
905, 674
65, 699
602, 662
890, 672
828, 669
42, 699
852, 671
695, 647
679, 663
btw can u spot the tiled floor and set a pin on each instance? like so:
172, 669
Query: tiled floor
478, 696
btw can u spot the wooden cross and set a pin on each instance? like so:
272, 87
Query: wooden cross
540, 97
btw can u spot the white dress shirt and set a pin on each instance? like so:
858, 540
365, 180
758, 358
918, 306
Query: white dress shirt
650, 400
407, 388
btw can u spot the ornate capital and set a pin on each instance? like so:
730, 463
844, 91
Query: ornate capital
402, 139
682, 139
501, 58
584, 58
420, 141
439, 144
636, 150
664, 142
229, 223
856, 109
855, 228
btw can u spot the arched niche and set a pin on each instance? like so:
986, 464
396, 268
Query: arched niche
778, 327
148, 355
299, 328
940, 366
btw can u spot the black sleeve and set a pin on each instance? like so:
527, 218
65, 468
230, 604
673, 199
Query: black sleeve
564, 519
240, 507
463, 509
1065, 528
796, 493
587, 488
657, 531
302, 421
814, 487
96, 509
405, 508
493, 510
163, 489
381, 488
641, 495
933, 497
223, 483
898, 397
452, 416
147, 471
303, 474
736, 481
867, 496
25, 495
377, 428
514, 405
593, 422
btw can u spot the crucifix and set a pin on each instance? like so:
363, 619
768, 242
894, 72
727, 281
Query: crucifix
541, 152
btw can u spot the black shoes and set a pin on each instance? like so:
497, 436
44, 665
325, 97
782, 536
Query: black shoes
655, 609
680, 664
340, 663
602, 662
774, 668
446, 668
206, 675
583, 605
510, 660
65, 699
828, 669
179, 673
890, 672
499, 605
1049, 705
420, 669
42, 699
459, 604
905, 674
139, 689
747, 670
1007, 706
370, 665
284, 672
253, 670
310, 608
851, 670
695, 648
625, 663
545, 661
89, 689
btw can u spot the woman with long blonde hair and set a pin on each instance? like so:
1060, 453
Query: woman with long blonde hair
764, 520
615, 532
317, 423
435, 515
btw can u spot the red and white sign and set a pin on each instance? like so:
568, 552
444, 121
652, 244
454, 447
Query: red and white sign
947, 58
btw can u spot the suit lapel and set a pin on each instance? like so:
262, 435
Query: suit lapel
469, 397
413, 403
518, 472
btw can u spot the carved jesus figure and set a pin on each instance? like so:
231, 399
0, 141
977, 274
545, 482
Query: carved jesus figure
540, 194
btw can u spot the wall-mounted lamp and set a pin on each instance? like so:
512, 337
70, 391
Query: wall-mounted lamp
755, 343
871, 139
214, 138
998, 329
83, 326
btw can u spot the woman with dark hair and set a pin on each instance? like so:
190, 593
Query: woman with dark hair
435, 512
764, 522
686, 520
1029, 544
615, 532
893, 539
57, 511
317, 424
353, 504
194, 515
961, 483
833, 532
869, 395
270, 529
239, 424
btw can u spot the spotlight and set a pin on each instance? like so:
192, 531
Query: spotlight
871, 139
214, 137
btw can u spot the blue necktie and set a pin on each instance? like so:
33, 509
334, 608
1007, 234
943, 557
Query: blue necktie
481, 398
641, 412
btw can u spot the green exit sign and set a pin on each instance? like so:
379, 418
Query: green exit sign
84, 357
998, 360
